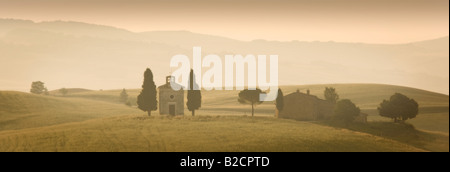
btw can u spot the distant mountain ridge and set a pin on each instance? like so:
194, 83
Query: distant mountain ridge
81, 28
74, 54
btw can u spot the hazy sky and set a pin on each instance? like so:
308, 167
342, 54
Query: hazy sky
372, 21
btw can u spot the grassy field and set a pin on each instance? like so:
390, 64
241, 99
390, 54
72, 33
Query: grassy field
204, 133
87, 120
404, 133
22, 110
434, 119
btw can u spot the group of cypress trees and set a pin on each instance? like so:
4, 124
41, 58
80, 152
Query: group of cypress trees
147, 98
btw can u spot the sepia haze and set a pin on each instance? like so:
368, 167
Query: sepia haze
400, 42
74, 54
367, 21
92, 54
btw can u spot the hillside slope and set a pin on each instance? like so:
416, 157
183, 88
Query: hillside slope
97, 121
23, 110
433, 114
366, 96
207, 133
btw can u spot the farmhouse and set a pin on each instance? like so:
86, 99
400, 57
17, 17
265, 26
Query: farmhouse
361, 118
170, 101
306, 107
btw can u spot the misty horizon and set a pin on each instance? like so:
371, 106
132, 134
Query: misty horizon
320, 62
237, 39
369, 21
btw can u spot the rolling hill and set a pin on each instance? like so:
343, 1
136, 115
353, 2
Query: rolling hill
23, 110
433, 106
205, 133
69, 90
97, 121
366, 96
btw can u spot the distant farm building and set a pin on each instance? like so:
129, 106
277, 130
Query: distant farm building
171, 102
306, 107
362, 118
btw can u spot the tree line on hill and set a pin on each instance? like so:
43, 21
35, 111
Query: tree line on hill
399, 107
38, 87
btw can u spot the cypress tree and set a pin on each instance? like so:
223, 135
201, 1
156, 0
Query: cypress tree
147, 98
280, 100
194, 97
